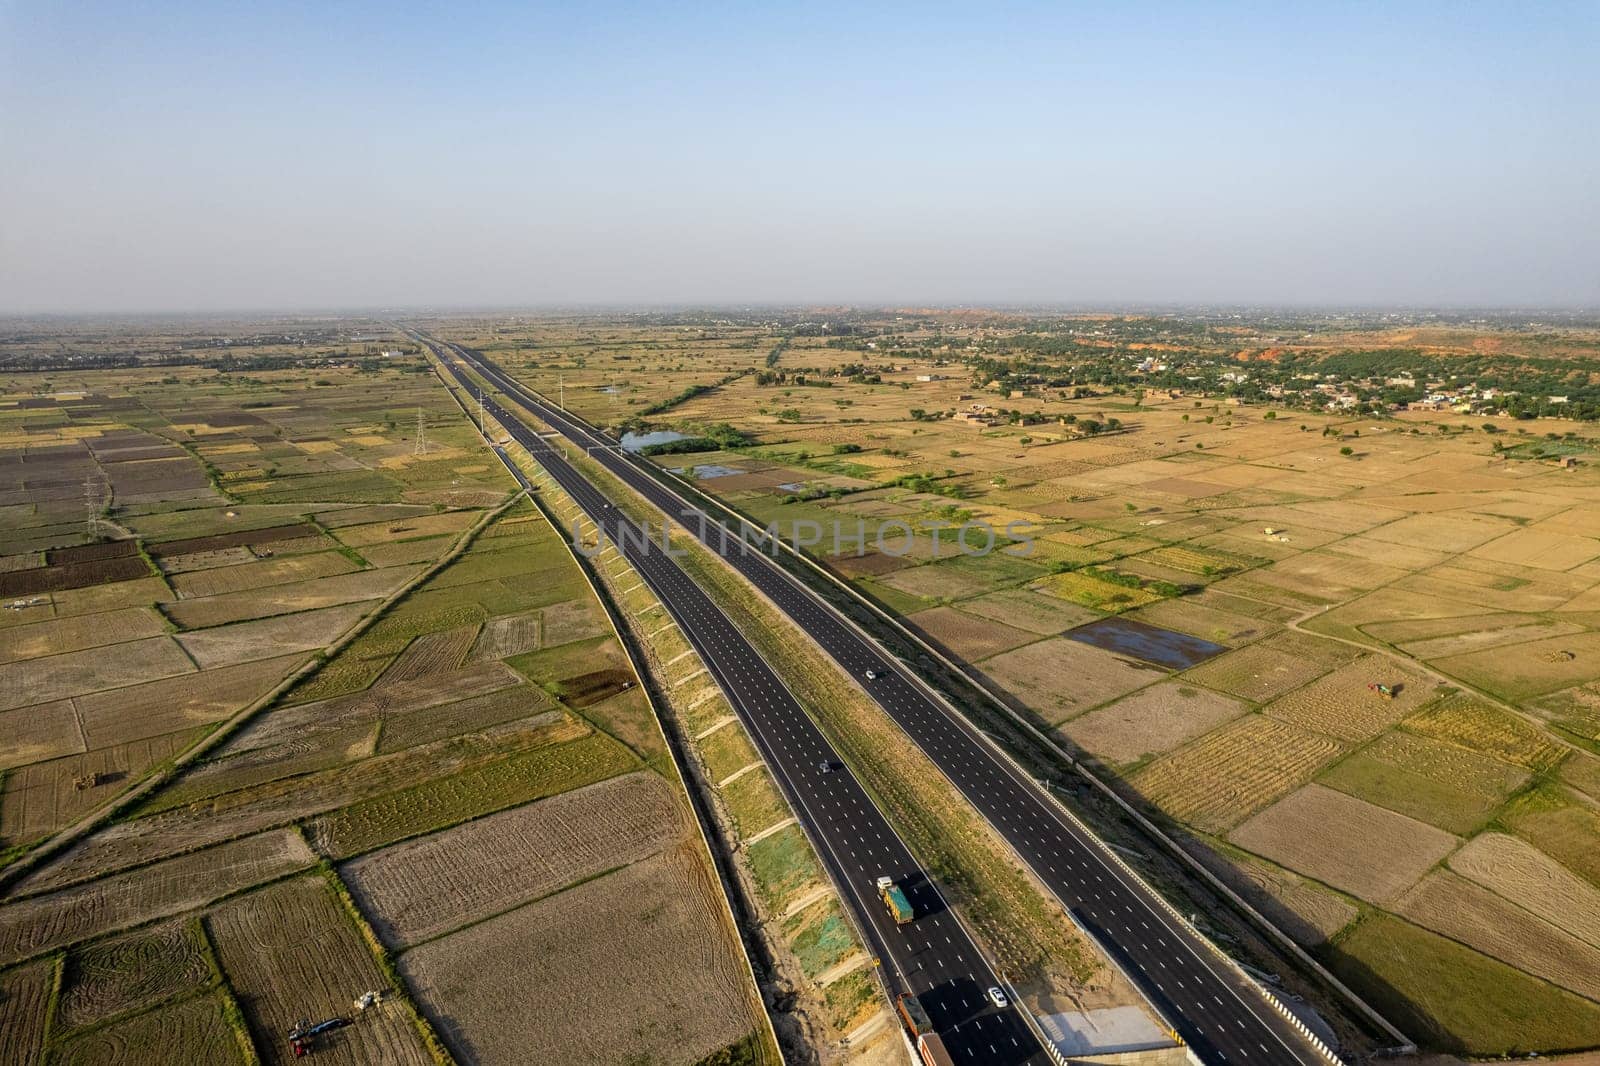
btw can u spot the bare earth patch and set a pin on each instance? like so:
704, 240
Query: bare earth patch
1151, 721
1059, 677
1527, 876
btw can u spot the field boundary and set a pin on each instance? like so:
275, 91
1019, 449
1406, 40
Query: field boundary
626, 640
71, 834
1405, 1045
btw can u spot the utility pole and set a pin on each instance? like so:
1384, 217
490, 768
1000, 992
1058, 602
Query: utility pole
481, 423
422, 435
91, 507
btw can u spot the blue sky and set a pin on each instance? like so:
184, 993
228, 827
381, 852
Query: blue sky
178, 156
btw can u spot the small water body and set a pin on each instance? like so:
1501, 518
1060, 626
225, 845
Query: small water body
1152, 644
632, 442
706, 470
792, 486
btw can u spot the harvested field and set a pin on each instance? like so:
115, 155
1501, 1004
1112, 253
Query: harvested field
1272, 666
44, 797
578, 619
1033, 674
56, 919
184, 1034
33, 734
465, 716
424, 888
931, 582
967, 637
62, 635
1474, 916
291, 598
1467, 722
397, 701
1345, 842
502, 638
644, 940
179, 703
1033, 611
1341, 705
428, 525
1528, 877
1435, 783
430, 654
254, 575
24, 1010
1152, 721
79, 673
1194, 615
239, 539
1535, 668
269, 637
139, 970
1304, 910
516, 779
1264, 758
290, 952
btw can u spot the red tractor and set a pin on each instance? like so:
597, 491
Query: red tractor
303, 1037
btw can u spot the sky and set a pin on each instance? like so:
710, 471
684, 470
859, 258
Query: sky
203, 156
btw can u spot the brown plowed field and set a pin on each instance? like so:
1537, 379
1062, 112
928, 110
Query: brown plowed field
254, 575
291, 952
1345, 842
423, 888
572, 620
280, 600
33, 734
644, 941
62, 635
177, 703
1151, 721
249, 641
56, 919
242, 538
79, 673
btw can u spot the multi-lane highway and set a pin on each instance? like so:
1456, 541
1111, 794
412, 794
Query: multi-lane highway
933, 956
1219, 1013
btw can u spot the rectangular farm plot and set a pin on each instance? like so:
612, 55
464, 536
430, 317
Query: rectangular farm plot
34, 734
1033, 611
1058, 678
426, 887
1343, 704
1091, 592
295, 597
1521, 873
1228, 774
244, 577
645, 941
157, 708
1151, 721
112, 977
965, 636
1345, 842
1462, 911
182, 1034
1467, 722
1522, 671
55, 919
1542, 548
1192, 615
270, 637
291, 952
63, 635
24, 1011
1442, 785
78, 673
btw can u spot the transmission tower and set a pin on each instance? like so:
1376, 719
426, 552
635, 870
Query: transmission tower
93, 501
422, 435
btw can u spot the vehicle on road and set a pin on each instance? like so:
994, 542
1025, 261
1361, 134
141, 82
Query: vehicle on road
895, 899
913, 1014
827, 766
931, 1047
998, 998
872, 675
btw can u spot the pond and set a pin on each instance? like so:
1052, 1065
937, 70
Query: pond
1152, 644
706, 470
632, 442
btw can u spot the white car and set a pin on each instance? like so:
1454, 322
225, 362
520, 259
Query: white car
871, 676
998, 998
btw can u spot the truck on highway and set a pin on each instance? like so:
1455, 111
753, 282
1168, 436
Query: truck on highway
933, 1051
913, 1013
895, 900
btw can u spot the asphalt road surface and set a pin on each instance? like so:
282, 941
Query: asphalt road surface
932, 956
1219, 1013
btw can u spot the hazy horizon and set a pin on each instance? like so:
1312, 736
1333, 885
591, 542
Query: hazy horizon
187, 158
